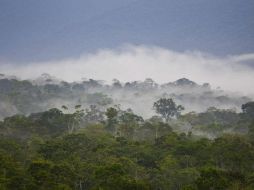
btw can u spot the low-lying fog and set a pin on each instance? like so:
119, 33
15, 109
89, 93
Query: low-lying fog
47, 92
222, 82
129, 63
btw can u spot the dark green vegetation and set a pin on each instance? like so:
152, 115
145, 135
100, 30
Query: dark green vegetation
116, 149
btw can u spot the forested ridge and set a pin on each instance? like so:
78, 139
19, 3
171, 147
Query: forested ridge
105, 146
45, 92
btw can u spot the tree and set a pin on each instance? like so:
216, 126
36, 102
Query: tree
248, 109
153, 128
251, 132
116, 84
233, 153
167, 108
74, 119
93, 115
211, 178
129, 123
111, 114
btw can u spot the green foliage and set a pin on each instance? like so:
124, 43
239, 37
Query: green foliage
214, 122
112, 114
167, 108
121, 152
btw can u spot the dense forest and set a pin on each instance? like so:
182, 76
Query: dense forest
46, 92
88, 135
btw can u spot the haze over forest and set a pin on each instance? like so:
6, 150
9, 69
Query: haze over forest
127, 95
46, 92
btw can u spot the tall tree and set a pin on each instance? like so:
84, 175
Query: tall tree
74, 119
167, 108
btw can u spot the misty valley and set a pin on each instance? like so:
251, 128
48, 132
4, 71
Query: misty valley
92, 135
126, 95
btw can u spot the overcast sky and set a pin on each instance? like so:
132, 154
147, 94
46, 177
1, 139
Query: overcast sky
37, 30
204, 40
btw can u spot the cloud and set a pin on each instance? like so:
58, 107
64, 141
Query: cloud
139, 62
